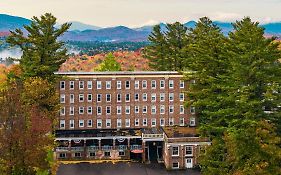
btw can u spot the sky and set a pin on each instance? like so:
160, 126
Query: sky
135, 13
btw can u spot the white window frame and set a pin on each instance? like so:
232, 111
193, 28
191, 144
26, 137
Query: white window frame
119, 110
71, 110
127, 84
99, 85
171, 84
99, 99
81, 110
108, 121
127, 109
181, 109
144, 84
71, 122
81, 124
162, 109
127, 95
62, 98
89, 123
138, 96
181, 84
71, 98
89, 84
192, 121
99, 113
137, 109
181, 96
119, 85
171, 121
162, 96
89, 110
178, 151
153, 97
120, 97
162, 82
127, 123
71, 85
153, 122
99, 123
108, 95
108, 84
181, 121
81, 84
192, 110
137, 122
177, 166
144, 109
171, 96
119, 123
171, 109
81, 97
108, 108
144, 97
62, 111
144, 122
137, 84
62, 124
62, 85
91, 99
153, 109
187, 149
153, 84
162, 121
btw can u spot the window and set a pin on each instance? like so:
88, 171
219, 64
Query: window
119, 109
108, 110
118, 97
89, 84
108, 84
108, 123
62, 85
127, 109
81, 84
153, 84
153, 97
127, 122
62, 155
119, 84
162, 109
81, 123
99, 123
162, 97
144, 97
121, 153
127, 84
171, 121
181, 84
92, 154
77, 154
144, 122
99, 97
188, 150
181, 96
162, 122
192, 109
98, 84
181, 121
153, 109
127, 98
106, 154
62, 124
136, 97
181, 109
90, 97
99, 110
71, 96
62, 98
89, 110
171, 109
108, 97
81, 97
137, 122
136, 109
119, 123
153, 122
192, 121
137, 84
162, 84
81, 110
175, 165
71, 124
144, 109
71, 85
62, 111
171, 96
144, 84
90, 123
175, 151
71, 110
171, 84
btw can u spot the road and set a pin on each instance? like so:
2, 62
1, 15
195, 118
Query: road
122, 168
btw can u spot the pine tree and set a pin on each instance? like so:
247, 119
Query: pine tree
42, 53
109, 64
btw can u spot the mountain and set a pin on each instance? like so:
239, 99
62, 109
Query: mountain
8, 22
76, 25
84, 32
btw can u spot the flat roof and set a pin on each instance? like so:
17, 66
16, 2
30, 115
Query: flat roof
180, 131
121, 73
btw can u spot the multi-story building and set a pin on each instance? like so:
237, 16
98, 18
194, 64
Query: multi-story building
122, 115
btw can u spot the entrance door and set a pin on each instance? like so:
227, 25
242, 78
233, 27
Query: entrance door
188, 163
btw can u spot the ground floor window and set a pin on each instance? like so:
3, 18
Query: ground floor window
121, 153
62, 155
77, 154
107, 154
92, 154
175, 165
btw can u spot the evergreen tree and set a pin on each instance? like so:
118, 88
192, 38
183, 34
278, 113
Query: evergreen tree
42, 53
109, 64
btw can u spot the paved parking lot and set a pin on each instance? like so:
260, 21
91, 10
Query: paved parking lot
122, 168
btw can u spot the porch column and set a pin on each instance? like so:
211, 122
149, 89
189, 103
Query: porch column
85, 149
143, 153
69, 149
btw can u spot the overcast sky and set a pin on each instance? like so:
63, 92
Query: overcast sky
134, 13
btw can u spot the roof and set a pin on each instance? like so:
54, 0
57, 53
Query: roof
180, 131
121, 73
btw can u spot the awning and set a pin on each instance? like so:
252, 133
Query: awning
137, 151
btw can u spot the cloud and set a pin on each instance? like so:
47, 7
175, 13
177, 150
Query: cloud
225, 17
14, 53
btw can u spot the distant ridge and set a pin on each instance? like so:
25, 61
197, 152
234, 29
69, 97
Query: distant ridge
84, 32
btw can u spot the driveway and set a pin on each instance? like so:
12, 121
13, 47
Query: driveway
122, 168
